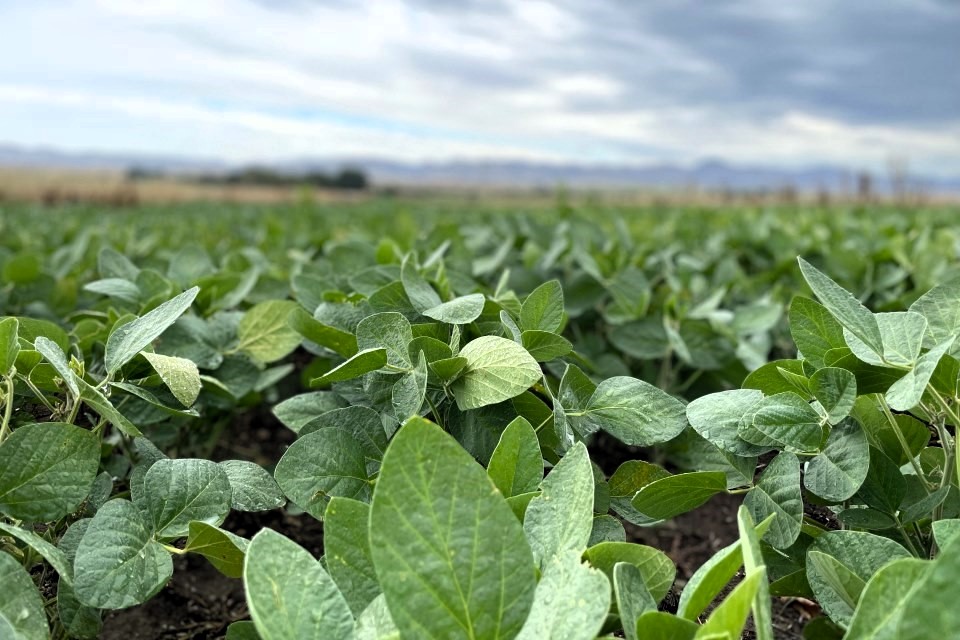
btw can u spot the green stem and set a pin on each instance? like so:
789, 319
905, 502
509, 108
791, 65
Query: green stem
956, 424
7, 409
434, 412
42, 398
906, 537
903, 443
173, 549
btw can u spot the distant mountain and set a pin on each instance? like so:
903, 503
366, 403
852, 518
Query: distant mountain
710, 174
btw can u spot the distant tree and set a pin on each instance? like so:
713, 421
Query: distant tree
351, 178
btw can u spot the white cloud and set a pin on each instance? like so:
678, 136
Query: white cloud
408, 80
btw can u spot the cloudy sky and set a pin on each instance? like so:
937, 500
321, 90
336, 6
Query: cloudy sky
768, 82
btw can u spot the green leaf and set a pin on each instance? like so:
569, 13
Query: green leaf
179, 374
753, 564
633, 597
21, 608
118, 563
516, 465
883, 600
9, 344
545, 346
56, 557
362, 362
836, 390
778, 491
570, 603
668, 497
264, 333
560, 519
657, 569
644, 339
223, 549
362, 423
906, 392
119, 288
252, 487
713, 575
606, 528
462, 310
496, 369
884, 486
814, 330
635, 412
346, 543
543, 309
297, 411
944, 531
930, 610
390, 331
839, 470
770, 378
939, 306
854, 557
130, 339
717, 416
78, 621
326, 463
58, 359
290, 595
902, 334
418, 290
46, 470
338, 341
410, 391
785, 421
731, 615
375, 623
178, 492
448, 369
854, 317
450, 555
242, 630
881, 435
659, 625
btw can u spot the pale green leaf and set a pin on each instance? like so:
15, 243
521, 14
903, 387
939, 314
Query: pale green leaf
130, 339
836, 391
177, 492
346, 543
516, 465
223, 549
635, 412
496, 369
882, 602
21, 608
462, 310
543, 309
359, 364
837, 472
252, 488
264, 333
778, 492
657, 569
179, 374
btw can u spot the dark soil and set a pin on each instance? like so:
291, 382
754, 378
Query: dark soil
200, 603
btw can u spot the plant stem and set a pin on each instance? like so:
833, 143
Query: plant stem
7, 409
956, 424
434, 412
42, 398
903, 443
906, 537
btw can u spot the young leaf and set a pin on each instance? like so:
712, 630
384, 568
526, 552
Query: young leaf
118, 563
939, 306
132, 338
837, 472
570, 603
635, 412
9, 344
906, 392
46, 470
545, 346
561, 518
814, 330
657, 569
883, 600
346, 543
668, 497
543, 309
410, 391
21, 607
390, 331
836, 390
338, 341
418, 290
177, 492
297, 411
633, 597
659, 625
290, 595
359, 364
846, 561
516, 465
179, 374
223, 549
717, 416
784, 421
264, 333
496, 369
328, 462
462, 310
778, 491
450, 555
856, 318
251, 487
